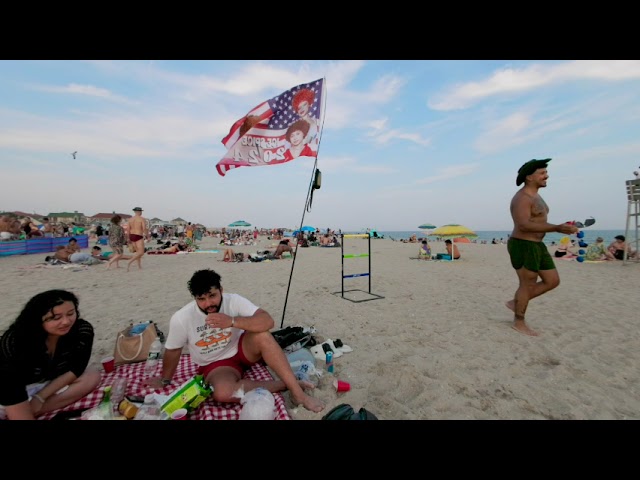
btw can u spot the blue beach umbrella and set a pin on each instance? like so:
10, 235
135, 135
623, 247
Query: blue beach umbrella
239, 223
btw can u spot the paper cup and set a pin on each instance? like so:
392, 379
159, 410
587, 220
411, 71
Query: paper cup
108, 363
180, 414
341, 386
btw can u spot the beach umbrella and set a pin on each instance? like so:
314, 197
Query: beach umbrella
239, 224
427, 226
304, 229
453, 230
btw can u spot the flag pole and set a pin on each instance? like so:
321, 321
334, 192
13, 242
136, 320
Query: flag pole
307, 203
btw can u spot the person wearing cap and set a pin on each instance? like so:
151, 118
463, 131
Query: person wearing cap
618, 246
529, 255
597, 251
138, 232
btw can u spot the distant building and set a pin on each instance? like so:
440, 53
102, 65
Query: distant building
67, 217
105, 218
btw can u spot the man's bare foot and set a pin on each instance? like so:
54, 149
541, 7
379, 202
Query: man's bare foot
306, 384
310, 403
511, 305
523, 328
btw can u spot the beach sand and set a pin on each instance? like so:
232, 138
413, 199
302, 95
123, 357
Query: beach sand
437, 346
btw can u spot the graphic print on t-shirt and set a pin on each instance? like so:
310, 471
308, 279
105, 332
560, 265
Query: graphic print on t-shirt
213, 339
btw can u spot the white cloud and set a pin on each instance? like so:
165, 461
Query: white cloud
513, 80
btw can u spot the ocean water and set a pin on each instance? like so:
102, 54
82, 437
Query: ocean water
590, 235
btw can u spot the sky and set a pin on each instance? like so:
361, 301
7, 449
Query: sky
403, 142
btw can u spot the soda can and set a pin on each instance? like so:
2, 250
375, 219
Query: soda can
329, 359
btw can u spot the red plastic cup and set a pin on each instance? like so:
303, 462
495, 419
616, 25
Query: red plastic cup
108, 363
341, 386
180, 414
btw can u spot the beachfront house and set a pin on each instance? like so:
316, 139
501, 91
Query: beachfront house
104, 219
68, 217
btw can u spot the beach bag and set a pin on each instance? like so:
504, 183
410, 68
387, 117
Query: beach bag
344, 411
291, 339
132, 343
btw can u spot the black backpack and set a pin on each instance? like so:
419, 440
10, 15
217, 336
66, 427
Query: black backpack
344, 411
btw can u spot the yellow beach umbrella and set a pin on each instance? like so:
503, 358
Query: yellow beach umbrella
453, 230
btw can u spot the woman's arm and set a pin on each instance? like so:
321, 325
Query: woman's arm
20, 411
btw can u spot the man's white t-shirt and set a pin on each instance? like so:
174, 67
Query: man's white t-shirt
207, 344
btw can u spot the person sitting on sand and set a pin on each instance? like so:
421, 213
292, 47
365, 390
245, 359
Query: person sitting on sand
231, 256
73, 246
424, 252
618, 246
452, 248
44, 357
62, 253
226, 334
563, 250
597, 251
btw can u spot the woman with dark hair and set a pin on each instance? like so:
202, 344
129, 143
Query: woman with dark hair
117, 241
44, 356
295, 136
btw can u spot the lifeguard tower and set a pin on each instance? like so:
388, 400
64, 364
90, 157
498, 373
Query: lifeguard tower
633, 212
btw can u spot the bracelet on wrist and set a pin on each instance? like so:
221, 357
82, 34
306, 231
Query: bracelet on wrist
165, 381
38, 397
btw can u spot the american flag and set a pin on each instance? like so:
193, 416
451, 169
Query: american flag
260, 137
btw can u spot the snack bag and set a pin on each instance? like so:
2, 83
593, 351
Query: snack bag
189, 395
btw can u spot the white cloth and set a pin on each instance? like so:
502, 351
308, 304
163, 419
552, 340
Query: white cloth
206, 345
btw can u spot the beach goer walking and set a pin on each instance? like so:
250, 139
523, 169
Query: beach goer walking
44, 356
226, 334
529, 255
117, 241
138, 231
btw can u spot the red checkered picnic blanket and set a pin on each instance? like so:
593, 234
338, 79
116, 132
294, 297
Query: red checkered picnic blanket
208, 410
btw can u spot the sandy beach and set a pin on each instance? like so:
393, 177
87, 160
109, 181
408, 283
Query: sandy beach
437, 346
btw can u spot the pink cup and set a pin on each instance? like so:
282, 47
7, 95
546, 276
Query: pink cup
341, 386
108, 363
180, 414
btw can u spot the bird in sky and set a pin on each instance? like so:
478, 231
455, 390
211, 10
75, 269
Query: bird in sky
74, 155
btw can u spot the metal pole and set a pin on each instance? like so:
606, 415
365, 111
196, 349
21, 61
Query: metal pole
342, 261
369, 239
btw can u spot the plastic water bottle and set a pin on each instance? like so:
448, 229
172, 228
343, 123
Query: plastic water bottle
150, 410
154, 357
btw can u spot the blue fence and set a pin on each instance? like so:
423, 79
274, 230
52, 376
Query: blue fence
39, 245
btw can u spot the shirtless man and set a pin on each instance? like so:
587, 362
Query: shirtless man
138, 232
47, 228
62, 253
529, 255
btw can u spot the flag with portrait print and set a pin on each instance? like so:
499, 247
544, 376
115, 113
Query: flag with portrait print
277, 131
